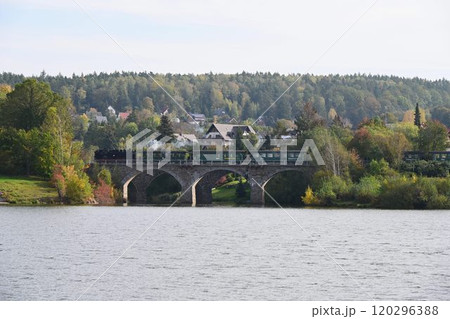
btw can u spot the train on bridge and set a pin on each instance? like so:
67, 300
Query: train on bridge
206, 156
412, 156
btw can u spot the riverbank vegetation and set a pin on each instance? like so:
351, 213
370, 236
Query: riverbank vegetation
366, 168
36, 138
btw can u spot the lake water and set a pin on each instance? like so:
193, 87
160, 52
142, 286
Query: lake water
56, 253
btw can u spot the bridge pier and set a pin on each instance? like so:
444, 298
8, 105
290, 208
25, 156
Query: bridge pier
204, 194
125, 182
188, 197
256, 196
256, 189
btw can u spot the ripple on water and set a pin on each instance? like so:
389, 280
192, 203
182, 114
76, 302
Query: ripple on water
223, 254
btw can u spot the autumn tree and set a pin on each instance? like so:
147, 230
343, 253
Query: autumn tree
442, 114
373, 140
433, 137
4, 89
308, 119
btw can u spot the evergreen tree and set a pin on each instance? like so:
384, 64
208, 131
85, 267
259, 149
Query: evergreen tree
165, 128
417, 116
239, 137
433, 137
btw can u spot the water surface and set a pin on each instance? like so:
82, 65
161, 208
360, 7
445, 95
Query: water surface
55, 253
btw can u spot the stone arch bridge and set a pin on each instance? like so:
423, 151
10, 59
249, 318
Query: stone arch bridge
197, 181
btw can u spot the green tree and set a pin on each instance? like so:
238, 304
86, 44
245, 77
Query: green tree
367, 190
26, 107
80, 126
165, 128
33, 152
410, 131
433, 137
58, 125
147, 104
334, 154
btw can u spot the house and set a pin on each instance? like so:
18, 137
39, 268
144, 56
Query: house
197, 118
219, 112
111, 111
292, 132
260, 121
165, 111
100, 119
92, 113
123, 115
228, 132
184, 140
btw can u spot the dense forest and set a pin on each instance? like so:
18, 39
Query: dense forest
247, 95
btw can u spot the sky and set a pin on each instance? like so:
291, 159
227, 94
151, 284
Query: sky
407, 38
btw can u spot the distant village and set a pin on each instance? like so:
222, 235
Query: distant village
196, 125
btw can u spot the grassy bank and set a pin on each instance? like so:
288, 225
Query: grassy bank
27, 190
226, 194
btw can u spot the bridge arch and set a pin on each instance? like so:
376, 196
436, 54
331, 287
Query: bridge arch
287, 186
206, 183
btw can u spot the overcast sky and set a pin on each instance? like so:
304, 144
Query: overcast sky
401, 37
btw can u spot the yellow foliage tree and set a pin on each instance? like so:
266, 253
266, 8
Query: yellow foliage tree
408, 117
310, 198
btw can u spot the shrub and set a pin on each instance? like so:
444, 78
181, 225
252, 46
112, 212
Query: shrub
425, 190
397, 193
367, 190
78, 188
104, 194
105, 176
380, 167
439, 202
332, 188
443, 186
418, 193
59, 182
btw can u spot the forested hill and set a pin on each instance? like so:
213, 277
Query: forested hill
246, 95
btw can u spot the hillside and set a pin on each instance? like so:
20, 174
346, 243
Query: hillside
246, 96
